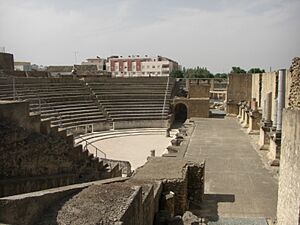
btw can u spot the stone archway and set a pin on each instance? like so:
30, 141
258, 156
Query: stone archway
180, 112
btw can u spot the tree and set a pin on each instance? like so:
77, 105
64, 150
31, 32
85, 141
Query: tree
236, 69
220, 75
256, 70
198, 72
176, 74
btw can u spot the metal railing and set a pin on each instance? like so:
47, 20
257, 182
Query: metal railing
165, 98
90, 144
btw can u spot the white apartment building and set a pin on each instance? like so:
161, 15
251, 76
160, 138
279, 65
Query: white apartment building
137, 66
99, 62
22, 66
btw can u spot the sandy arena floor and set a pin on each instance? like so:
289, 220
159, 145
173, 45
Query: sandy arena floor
134, 149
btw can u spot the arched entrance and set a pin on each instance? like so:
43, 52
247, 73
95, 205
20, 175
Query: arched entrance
180, 112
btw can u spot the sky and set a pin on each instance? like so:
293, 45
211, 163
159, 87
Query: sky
216, 34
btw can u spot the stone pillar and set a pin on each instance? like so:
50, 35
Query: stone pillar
254, 118
240, 110
268, 107
275, 141
266, 123
243, 114
274, 114
281, 100
152, 153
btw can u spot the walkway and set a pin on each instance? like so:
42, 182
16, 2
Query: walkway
236, 183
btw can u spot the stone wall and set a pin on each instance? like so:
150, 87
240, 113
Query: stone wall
136, 123
196, 107
28, 209
6, 61
198, 90
294, 94
288, 208
35, 156
269, 84
239, 89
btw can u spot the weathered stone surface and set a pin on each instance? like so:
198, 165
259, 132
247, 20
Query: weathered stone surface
294, 95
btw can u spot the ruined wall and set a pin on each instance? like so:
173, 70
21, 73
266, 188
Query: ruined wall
196, 107
198, 90
239, 89
288, 208
6, 61
294, 92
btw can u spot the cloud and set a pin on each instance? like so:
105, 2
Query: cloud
214, 34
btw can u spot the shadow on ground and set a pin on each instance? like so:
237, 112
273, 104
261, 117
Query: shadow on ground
208, 209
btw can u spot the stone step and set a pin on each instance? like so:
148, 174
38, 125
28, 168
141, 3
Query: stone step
71, 110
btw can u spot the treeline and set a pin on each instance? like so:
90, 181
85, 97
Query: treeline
203, 72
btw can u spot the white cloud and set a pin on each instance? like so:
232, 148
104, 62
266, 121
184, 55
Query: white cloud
215, 34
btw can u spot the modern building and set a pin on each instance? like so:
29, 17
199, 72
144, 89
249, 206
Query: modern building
22, 66
99, 62
140, 66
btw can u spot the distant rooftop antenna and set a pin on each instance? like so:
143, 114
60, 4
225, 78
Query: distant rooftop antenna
2, 49
75, 55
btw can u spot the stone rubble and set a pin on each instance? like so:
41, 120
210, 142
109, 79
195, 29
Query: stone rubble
294, 96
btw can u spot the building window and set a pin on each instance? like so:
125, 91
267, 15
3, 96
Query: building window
158, 66
148, 67
153, 67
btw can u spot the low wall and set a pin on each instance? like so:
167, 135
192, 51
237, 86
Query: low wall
119, 124
89, 128
25, 209
16, 186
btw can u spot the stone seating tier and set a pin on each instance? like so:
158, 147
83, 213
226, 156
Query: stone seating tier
70, 102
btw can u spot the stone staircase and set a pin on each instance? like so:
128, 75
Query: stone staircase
46, 156
133, 98
67, 102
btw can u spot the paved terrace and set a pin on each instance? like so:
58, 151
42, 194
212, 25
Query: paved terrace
236, 183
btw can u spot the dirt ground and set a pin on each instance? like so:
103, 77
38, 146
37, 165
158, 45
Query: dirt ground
134, 149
